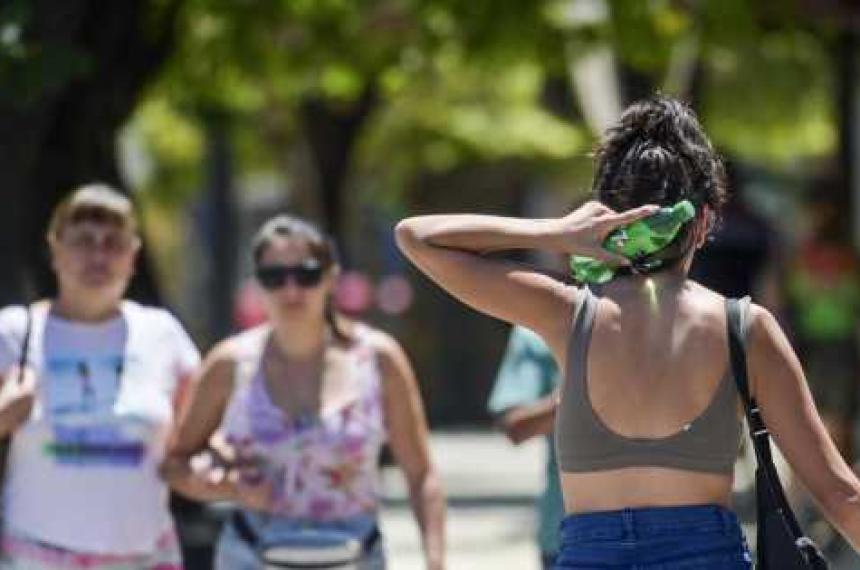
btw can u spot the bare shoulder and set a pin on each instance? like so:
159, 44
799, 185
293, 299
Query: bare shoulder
224, 352
388, 350
704, 297
220, 362
394, 365
556, 334
705, 309
762, 328
571, 296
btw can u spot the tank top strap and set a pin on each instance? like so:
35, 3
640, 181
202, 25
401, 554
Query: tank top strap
248, 351
249, 354
580, 338
366, 366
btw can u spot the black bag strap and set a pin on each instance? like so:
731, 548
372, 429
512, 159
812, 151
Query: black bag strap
25, 344
22, 364
759, 433
244, 529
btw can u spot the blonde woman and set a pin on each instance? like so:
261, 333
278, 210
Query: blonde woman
90, 424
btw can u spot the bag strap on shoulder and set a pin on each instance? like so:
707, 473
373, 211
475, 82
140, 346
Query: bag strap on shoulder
758, 431
25, 343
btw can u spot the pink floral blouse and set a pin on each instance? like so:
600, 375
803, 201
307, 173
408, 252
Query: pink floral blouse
323, 468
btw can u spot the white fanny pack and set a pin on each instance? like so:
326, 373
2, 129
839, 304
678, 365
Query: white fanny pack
317, 548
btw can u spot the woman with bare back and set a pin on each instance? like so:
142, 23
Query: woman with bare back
649, 420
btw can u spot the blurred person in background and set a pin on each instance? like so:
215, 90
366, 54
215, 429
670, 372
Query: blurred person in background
742, 254
824, 289
90, 424
290, 418
523, 401
647, 477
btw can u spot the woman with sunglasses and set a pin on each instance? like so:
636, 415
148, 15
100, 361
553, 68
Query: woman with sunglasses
290, 417
90, 420
649, 420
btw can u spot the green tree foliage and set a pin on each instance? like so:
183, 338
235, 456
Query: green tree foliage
452, 80
71, 72
460, 81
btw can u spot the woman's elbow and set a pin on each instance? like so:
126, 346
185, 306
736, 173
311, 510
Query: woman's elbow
172, 468
839, 499
425, 479
431, 485
405, 234
841, 506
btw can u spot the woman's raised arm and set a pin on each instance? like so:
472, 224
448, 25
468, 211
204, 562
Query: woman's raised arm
451, 250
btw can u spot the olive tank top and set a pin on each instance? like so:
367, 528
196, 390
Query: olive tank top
584, 443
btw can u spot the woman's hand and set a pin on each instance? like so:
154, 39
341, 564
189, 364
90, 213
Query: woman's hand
241, 478
16, 399
253, 490
583, 231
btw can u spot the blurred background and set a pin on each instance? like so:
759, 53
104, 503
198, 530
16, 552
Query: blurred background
215, 114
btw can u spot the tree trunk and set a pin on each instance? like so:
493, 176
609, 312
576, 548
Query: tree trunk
847, 95
332, 130
66, 135
221, 210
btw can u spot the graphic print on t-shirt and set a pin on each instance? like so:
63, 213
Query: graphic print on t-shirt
81, 395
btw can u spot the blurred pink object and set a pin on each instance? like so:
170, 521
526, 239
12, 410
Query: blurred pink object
354, 293
394, 294
249, 310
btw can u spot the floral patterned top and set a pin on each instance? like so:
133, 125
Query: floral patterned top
324, 468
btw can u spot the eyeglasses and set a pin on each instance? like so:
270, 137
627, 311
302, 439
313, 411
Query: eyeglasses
113, 243
275, 276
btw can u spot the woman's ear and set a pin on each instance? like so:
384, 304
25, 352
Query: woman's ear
704, 225
136, 246
52, 251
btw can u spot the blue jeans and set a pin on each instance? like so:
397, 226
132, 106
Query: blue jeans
706, 537
234, 553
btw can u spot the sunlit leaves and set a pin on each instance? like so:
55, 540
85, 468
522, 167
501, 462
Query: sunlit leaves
774, 100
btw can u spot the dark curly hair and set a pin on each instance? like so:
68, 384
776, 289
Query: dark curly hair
658, 153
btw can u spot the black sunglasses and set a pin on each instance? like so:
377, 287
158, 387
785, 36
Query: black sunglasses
276, 276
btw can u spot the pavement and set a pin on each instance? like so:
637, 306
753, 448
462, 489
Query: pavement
491, 487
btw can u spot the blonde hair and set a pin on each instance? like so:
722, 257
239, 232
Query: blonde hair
96, 202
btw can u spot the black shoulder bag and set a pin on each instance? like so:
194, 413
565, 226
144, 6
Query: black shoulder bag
780, 543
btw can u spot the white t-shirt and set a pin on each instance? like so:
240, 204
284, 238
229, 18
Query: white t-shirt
83, 469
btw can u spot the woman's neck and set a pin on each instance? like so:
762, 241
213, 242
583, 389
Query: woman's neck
300, 341
87, 310
652, 286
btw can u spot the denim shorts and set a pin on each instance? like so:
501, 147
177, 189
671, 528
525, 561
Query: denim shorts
235, 553
702, 537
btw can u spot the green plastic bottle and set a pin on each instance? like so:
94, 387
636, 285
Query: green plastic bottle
641, 238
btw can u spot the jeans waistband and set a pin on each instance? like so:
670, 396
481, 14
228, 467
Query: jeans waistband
649, 522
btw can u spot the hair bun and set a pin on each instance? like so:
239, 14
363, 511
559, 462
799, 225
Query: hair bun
658, 153
653, 158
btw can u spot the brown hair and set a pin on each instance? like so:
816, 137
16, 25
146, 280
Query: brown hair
99, 203
321, 247
658, 153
